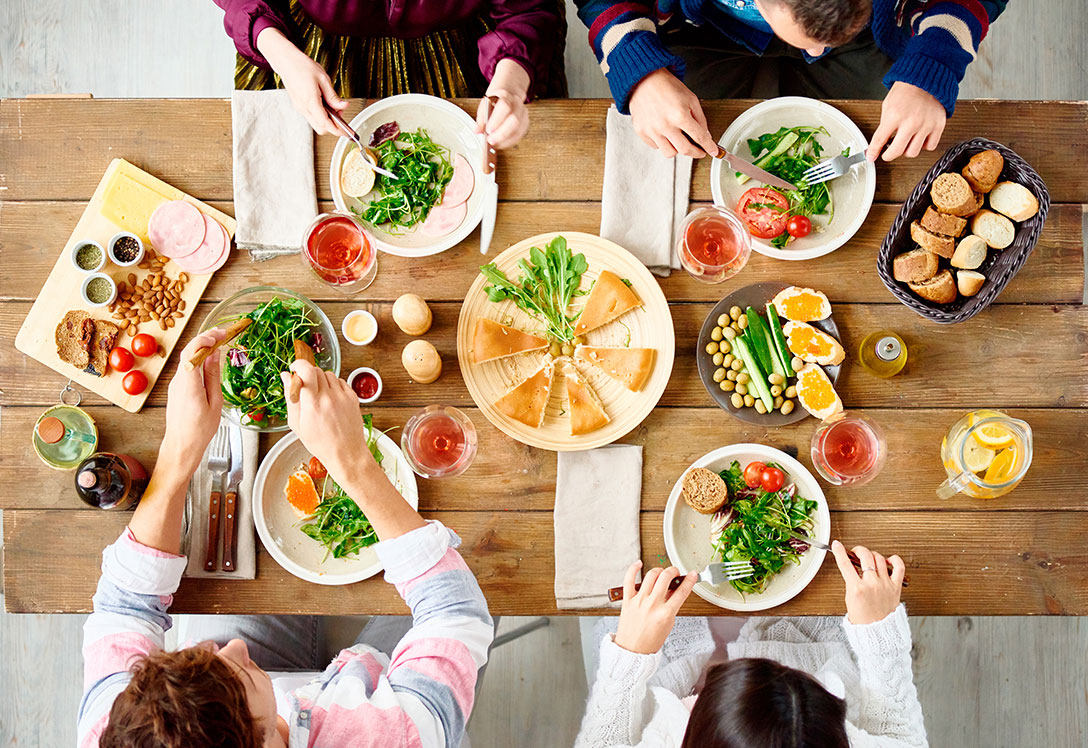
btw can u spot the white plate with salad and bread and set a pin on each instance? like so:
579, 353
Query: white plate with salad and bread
737, 504
432, 148
785, 136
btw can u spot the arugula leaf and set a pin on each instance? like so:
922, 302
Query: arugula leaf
422, 169
734, 478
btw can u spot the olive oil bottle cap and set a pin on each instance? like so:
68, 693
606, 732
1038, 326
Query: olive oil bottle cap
888, 348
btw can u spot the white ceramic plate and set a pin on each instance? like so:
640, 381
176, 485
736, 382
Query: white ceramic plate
278, 524
448, 125
852, 194
687, 533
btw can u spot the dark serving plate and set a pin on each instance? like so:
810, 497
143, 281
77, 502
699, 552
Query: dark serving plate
756, 295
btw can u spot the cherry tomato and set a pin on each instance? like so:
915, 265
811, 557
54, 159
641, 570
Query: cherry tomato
799, 226
257, 416
144, 345
752, 474
764, 212
134, 382
316, 470
772, 479
121, 359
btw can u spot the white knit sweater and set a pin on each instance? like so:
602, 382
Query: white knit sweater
636, 700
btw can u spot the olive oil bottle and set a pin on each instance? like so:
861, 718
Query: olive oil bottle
883, 353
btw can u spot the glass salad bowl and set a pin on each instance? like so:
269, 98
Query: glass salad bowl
253, 394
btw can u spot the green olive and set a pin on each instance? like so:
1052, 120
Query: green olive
719, 375
711, 347
555, 350
776, 378
729, 332
737, 364
726, 385
791, 391
728, 359
742, 388
778, 401
716, 333
723, 320
737, 400
743, 378
731, 375
796, 363
735, 312
749, 400
719, 357
760, 407
787, 408
742, 323
567, 349
579, 340
775, 390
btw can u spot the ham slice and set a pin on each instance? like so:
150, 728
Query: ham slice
460, 187
443, 219
211, 254
176, 229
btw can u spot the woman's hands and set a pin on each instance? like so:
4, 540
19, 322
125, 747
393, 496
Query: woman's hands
307, 83
647, 615
326, 418
663, 109
916, 119
508, 120
872, 594
194, 405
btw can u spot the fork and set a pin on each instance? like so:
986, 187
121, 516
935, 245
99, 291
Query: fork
712, 574
832, 168
218, 463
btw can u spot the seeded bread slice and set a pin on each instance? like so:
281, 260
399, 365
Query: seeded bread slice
953, 195
935, 243
942, 223
73, 336
915, 266
704, 490
105, 338
940, 289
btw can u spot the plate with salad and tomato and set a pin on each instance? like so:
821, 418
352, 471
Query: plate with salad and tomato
767, 493
308, 524
431, 147
786, 136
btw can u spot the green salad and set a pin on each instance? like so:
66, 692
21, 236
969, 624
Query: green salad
422, 169
752, 525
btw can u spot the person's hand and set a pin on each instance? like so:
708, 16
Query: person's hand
326, 418
913, 116
306, 82
663, 109
194, 403
508, 120
873, 594
647, 615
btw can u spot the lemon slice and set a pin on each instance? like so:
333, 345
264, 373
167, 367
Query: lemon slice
356, 179
977, 458
993, 436
1001, 469
978, 415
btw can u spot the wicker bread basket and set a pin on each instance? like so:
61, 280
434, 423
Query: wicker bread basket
999, 267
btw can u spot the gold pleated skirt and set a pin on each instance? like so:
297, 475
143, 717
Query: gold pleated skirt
442, 63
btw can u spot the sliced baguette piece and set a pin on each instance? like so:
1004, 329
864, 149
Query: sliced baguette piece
951, 194
704, 490
935, 243
915, 265
943, 223
983, 170
940, 289
1014, 200
970, 252
527, 401
997, 230
969, 282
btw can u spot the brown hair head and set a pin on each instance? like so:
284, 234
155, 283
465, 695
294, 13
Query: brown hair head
830, 22
757, 702
188, 698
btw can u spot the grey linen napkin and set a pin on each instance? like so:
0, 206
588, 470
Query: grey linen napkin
598, 494
274, 194
645, 195
195, 543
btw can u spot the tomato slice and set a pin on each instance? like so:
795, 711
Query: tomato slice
753, 474
772, 479
764, 211
316, 470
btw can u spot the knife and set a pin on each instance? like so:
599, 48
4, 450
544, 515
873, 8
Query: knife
849, 554
491, 188
747, 168
353, 136
230, 501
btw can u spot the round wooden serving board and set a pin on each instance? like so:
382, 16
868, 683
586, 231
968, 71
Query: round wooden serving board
650, 327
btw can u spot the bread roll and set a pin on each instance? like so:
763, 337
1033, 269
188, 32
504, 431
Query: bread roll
951, 194
1014, 200
704, 490
914, 266
940, 289
969, 282
970, 252
942, 223
927, 240
983, 170
996, 229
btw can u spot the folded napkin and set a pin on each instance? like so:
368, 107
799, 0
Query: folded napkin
274, 194
645, 195
200, 489
598, 494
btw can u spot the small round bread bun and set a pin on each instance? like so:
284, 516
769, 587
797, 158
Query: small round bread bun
704, 490
356, 179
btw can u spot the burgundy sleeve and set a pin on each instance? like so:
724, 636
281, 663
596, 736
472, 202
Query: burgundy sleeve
524, 31
245, 19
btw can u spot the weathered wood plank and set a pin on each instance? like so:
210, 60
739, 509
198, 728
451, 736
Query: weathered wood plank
187, 142
32, 233
1009, 356
1022, 563
509, 476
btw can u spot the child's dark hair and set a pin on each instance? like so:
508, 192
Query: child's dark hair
830, 22
756, 702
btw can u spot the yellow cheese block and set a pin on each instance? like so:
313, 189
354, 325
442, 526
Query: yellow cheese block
129, 200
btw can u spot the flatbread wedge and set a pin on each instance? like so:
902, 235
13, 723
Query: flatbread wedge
609, 298
586, 412
631, 367
491, 340
526, 402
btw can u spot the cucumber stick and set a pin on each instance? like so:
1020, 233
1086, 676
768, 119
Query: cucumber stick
755, 374
783, 145
776, 358
780, 339
757, 341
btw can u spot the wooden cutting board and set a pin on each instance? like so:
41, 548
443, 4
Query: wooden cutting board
124, 200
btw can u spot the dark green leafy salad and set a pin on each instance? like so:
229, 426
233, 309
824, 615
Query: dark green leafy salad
763, 504
422, 169
768, 211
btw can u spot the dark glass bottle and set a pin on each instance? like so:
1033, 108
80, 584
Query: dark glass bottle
109, 481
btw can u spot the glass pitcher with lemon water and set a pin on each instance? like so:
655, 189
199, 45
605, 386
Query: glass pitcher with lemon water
986, 454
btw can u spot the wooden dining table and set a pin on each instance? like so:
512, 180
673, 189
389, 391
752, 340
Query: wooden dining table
1027, 354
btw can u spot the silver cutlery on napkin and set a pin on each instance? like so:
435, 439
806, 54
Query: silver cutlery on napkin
218, 463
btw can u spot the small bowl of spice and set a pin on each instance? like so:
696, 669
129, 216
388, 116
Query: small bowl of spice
359, 327
88, 256
99, 290
126, 249
366, 383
